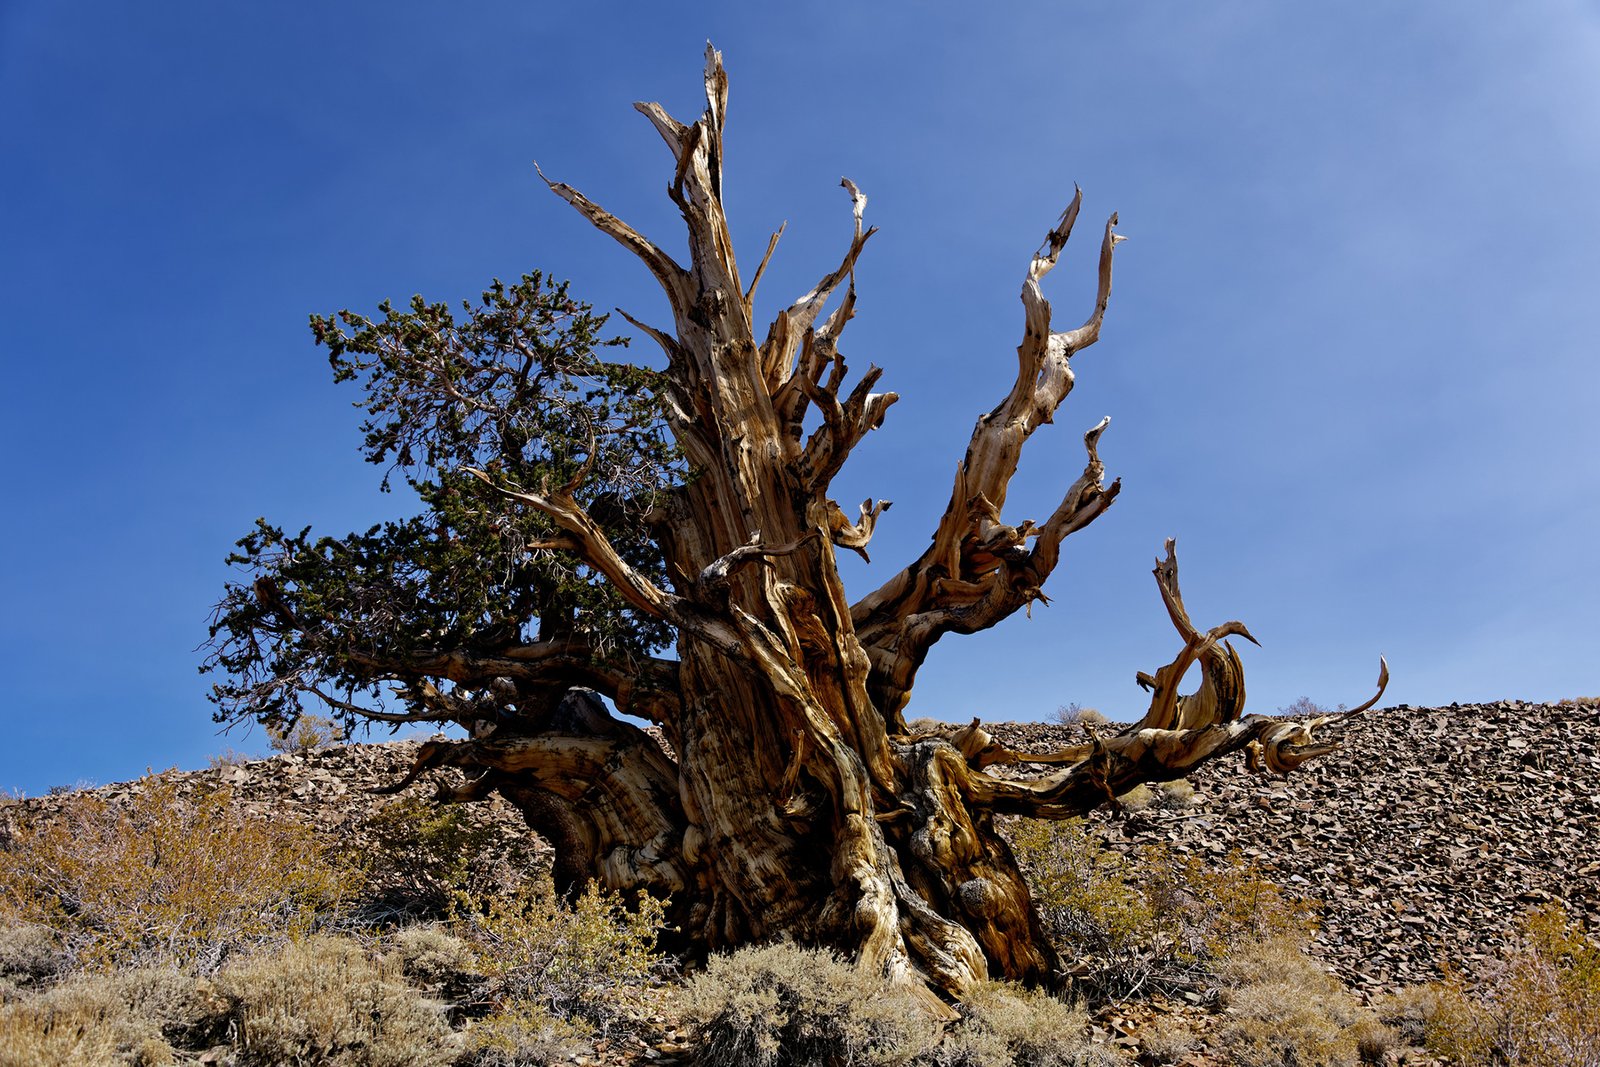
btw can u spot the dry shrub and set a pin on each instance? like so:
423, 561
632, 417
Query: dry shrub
1538, 1007
189, 1011
1304, 708
592, 958
1426, 1015
1147, 914
162, 877
785, 1006
422, 857
306, 734
1167, 1041
326, 1001
1177, 794
431, 956
87, 1021
1286, 1011
1077, 715
29, 954
1003, 1025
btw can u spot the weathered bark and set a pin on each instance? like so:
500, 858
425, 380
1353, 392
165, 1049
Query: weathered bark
794, 801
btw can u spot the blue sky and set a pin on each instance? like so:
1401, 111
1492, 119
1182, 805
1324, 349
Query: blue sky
1350, 359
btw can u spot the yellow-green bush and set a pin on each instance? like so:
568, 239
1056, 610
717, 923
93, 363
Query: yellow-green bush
329, 1002
1134, 915
1088, 896
525, 1034
591, 958
422, 857
1537, 1007
161, 876
1212, 909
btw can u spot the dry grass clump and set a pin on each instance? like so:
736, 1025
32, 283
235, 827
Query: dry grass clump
1132, 918
430, 955
327, 1001
1286, 1011
1003, 1025
1167, 1041
81, 1023
785, 1006
1537, 1007
1178, 793
133, 1017
592, 959
29, 955
1160, 796
162, 877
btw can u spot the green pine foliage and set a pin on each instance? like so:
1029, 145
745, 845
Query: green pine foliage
514, 387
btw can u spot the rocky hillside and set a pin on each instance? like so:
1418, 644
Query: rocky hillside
1425, 837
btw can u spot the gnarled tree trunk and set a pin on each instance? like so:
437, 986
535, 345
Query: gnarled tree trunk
795, 802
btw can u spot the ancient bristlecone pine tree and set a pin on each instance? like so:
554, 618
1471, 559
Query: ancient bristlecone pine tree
582, 516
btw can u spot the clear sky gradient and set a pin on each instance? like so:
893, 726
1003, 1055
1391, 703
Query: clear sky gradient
1350, 359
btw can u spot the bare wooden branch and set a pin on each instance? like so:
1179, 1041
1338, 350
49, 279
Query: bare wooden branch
852, 535
778, 351
1084, 501
592, 545
1220, 698
843, 426
666, 271
714, 580
750, 293
977, 571
1286, 745
615, 778
671, 130
1089, 332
